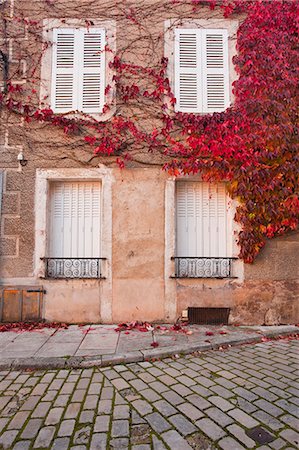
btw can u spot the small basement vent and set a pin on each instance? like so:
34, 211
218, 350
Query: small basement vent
208, 316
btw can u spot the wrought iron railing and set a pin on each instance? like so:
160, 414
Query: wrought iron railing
193, 267
73, 267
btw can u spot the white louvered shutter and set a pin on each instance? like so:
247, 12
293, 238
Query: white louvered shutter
201, 224
215, 70
187, 69
64, 95
93, 71
201, 70
75, 220
78, 75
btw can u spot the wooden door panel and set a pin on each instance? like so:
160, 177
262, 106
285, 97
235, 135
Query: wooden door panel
11, 305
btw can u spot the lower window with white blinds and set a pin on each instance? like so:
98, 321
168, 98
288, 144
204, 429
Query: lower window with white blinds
203, 231
74, 234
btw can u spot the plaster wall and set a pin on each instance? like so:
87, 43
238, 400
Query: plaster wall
138, 284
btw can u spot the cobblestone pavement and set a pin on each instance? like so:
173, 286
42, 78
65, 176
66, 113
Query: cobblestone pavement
243, 398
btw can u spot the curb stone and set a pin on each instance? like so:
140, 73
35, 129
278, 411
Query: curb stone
76, 362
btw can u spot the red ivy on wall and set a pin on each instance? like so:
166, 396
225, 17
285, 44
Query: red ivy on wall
253, 145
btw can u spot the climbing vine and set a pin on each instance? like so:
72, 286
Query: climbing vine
253, 145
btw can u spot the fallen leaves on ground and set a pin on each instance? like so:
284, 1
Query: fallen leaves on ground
19, 327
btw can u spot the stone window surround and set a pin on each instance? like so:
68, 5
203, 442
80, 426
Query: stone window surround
230, 25
171, 284
102, 175
46, 62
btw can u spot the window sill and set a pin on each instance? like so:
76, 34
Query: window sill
178, 277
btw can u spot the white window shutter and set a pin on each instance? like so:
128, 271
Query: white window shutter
92, 71
215, 70
63, 97
201, 225
75, 220
187, 69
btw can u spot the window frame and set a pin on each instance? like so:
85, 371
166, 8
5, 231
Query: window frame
46, 84
194, 24
44, 178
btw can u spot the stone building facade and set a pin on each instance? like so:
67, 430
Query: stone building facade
134, 268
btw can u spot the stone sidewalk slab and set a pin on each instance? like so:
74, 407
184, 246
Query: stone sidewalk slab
102, 346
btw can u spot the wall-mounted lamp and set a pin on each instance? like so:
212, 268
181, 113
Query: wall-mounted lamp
22, 160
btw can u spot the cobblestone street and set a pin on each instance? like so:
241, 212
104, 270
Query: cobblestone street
245, 397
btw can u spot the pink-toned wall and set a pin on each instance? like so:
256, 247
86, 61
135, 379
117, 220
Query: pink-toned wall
138, 285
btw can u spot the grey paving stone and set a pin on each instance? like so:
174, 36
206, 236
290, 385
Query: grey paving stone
120, 383
141, 447
151, 395
240, 434
221, 403
225, 383
243, 418
98, 441
91, 402
66, 428
279, 392
226, 374
155, 371
172, 397
219, 417
229, 443
41, 410
165, 408
119, 443
86, 416
287, 406
22, 445
44, 437
120, 428
266, 394
204, 392
175, 441
190, 411
187, 381
7, 438
291, 421
248, 395
82, 435
61, 444
268, 407
31, 429
198, 401
18, 420
223, 392
159, 387
31, 403
78, 395
181, 389
268, 420
102, 424
168, 380
277, 444
121, 412
72, 411
157, 422
210, 428
290, 436
83, 383
3, 422
94, 388
61, 400
142, 407
54, 416
104, 406
136, 419
183, 425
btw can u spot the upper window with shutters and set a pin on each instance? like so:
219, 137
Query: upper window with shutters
200, 63
75, 69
